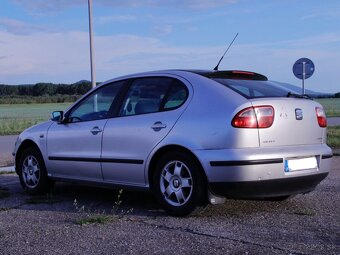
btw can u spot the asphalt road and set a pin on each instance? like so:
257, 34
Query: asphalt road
334, 121
305, 224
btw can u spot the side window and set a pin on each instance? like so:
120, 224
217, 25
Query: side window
145, 95
176, 97
97, 105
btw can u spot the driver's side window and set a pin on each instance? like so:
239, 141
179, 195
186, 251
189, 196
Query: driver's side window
97, 105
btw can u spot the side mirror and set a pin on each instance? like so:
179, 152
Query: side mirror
57, 116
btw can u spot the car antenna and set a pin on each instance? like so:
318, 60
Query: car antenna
216, 67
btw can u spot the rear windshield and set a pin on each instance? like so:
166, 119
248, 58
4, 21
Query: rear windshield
254, 89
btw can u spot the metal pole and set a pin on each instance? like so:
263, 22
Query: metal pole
303, 77
93, 74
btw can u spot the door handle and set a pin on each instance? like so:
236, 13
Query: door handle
157, 126
96, 130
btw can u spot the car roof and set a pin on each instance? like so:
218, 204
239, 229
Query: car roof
230, 74
222, 74
212, 74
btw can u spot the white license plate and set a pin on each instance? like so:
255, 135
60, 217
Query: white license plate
300, 164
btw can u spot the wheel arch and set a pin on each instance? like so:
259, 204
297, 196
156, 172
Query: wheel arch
23, 146
163, 150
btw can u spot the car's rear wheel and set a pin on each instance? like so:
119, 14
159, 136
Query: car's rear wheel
178, 183
32, 172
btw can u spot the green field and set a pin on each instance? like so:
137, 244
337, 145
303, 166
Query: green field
331, 106
14, 118
333, 137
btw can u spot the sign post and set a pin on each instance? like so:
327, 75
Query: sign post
303, 69
93, 73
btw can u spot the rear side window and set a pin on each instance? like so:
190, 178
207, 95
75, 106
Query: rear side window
254, 89
145, 95
154, 94
176, 97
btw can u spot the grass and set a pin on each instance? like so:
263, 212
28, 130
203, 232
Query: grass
331, 106
14, 118
333, 136
86, 216
7, 172
94, 219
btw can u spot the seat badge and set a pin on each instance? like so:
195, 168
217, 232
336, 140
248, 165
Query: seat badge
298, 114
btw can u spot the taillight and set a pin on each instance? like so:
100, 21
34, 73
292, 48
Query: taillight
254, 117
321, 116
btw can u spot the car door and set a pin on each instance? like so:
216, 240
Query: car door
150, 109
74, 146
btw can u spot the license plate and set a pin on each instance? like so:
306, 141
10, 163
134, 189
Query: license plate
298, 164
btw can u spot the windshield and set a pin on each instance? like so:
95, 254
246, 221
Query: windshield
255, 89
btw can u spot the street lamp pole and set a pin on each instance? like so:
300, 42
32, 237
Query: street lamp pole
93, 74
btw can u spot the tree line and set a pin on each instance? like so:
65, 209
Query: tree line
42, 89
42, 93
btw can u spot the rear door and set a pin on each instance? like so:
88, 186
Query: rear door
150, 109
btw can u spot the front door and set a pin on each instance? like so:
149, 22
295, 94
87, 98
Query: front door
74, 146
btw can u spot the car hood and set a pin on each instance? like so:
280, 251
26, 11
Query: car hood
41, 127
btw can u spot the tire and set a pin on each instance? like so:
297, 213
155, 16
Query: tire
178, 184
32, 172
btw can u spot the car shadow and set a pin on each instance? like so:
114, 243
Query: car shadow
75, 198
70, 197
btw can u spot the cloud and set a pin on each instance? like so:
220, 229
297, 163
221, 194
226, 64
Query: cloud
119, 18
59, 5
162, 30
18, 27
328, 14
48, 5
203, 4
64, 57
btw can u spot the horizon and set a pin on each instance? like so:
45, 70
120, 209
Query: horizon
47, 40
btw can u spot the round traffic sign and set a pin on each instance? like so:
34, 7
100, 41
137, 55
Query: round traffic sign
303, 68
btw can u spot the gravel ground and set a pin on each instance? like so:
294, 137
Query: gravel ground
305, 224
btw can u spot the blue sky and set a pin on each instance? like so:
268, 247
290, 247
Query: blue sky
47, 40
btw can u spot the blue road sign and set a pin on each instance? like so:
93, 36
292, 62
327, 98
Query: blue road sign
303, 68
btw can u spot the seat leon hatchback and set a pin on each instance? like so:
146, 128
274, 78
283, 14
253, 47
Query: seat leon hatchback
189, 136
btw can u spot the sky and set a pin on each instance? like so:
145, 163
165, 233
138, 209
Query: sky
48, 40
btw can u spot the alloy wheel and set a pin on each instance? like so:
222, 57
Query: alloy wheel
31, 171
176, 183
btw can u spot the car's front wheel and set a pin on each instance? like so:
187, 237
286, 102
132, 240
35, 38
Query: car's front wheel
32, 172
178, 183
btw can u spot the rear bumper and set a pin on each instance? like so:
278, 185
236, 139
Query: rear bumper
260, 172
268, 188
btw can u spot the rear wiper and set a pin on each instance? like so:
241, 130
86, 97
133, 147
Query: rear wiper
290, 94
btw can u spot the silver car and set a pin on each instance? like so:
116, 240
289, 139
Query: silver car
189, 136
